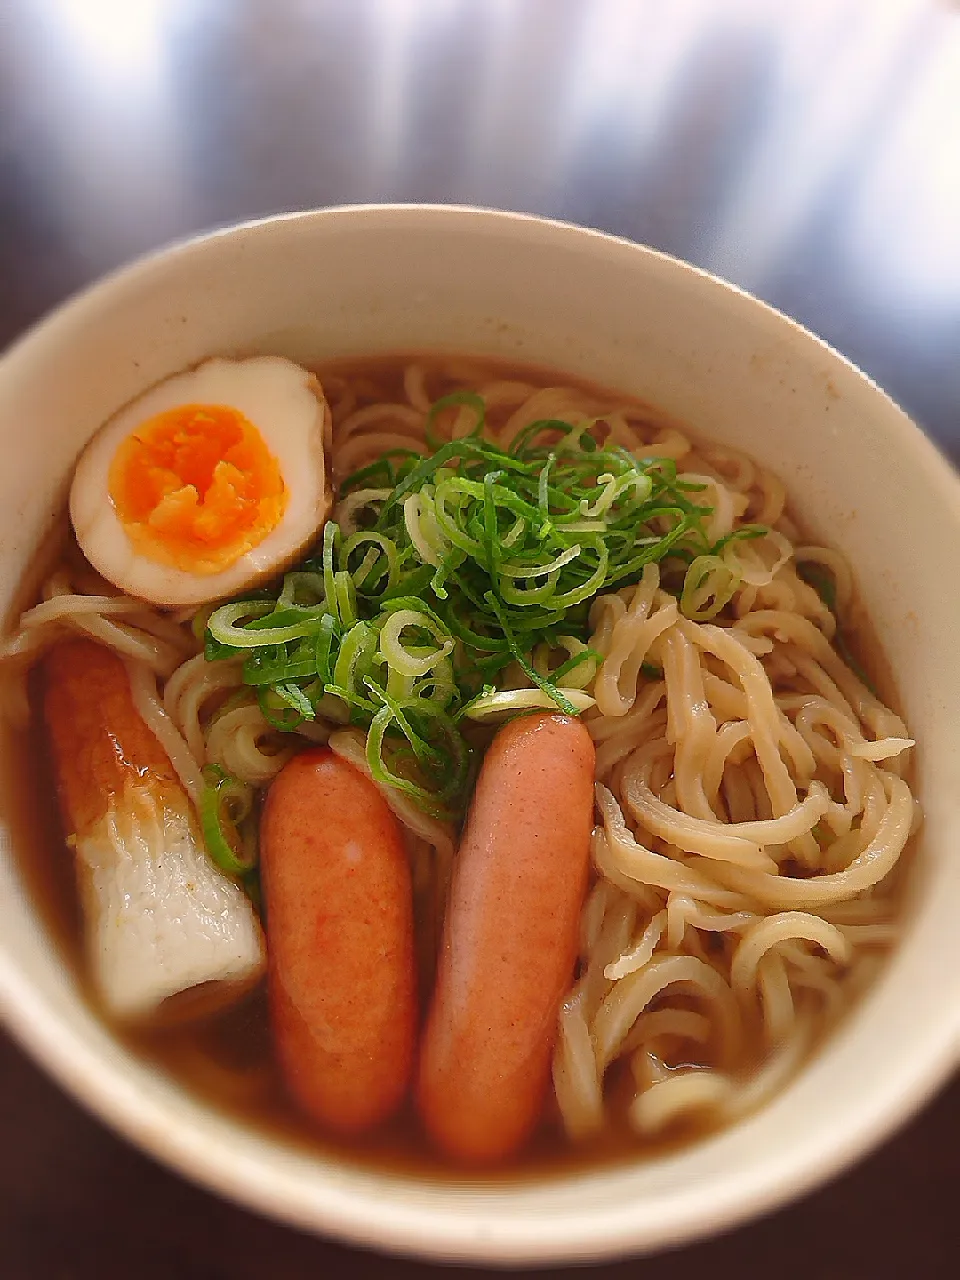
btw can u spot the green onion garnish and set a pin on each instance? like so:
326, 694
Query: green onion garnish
460, 573
226, 807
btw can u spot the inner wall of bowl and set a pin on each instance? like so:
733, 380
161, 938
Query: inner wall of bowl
380, 280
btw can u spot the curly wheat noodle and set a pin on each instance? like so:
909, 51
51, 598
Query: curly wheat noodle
636, 630
619, 924
641, 953
667, 1100
368, 447
798, 750
622, 860
615, 739
738, 843
415, 388
399, 416
191, 687
773, 930
683, 910
243, 743
870, 710
127, 626
143, 686
561, 403
750, 802
576, 1079
776, 998
634, 993
691, 726
670, 1024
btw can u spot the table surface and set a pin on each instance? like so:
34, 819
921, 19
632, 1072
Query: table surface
810, 152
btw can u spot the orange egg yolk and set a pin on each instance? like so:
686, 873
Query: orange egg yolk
196, 487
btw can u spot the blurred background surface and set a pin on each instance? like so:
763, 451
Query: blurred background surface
808, 150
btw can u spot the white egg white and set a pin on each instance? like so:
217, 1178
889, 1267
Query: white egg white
285, 403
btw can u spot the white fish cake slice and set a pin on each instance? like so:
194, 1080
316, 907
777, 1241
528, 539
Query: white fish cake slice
160, 918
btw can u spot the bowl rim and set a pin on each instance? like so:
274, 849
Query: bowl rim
85, 1072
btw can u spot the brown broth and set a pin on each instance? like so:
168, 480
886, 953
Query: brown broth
227, 1060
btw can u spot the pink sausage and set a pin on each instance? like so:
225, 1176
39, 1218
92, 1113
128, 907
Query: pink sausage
510, 939
342, 978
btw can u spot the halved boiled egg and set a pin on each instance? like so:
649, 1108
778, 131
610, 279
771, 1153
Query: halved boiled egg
208, 483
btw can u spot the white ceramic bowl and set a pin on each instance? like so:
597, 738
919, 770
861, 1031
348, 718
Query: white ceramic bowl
366, 280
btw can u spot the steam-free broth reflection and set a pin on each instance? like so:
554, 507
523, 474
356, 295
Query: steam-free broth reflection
726, 926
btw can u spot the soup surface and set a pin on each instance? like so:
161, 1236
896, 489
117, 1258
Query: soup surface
751, 807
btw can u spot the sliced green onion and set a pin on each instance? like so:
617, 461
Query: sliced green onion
222, 625
356, 649
278, 663
578, 670
345, 594
708, 585
531, 571
403, 659
331, 534
514, 700
226, 804
323, 649
457, 399
297, 585
276, 709
379, 549
455, 571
